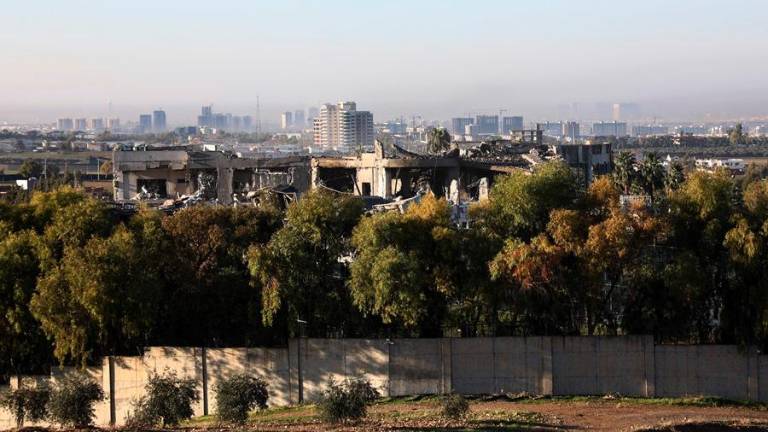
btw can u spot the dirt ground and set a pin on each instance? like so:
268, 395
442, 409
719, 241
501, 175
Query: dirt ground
536, 415
583, 414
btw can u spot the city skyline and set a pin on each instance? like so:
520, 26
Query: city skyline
684, 60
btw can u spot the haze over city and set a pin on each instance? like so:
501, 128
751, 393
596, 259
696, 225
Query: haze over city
687, 60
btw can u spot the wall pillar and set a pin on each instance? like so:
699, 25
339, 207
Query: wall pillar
204, 355
546, 383
446, 365
753, 374
111, 390
649, 360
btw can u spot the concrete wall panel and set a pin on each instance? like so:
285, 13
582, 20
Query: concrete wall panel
473, 365
521, 365
601, 365
418, 366
537, 365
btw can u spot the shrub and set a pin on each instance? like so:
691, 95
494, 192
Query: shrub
455, 406
26, 404
363, 388
238, 395
347, 401
168, 401
72, 399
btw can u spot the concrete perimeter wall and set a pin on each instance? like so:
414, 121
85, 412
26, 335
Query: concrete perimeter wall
626, 365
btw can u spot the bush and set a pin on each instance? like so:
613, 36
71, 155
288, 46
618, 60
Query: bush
26, 404
347, 401
72, 399
455, 406
168, 401
238, 395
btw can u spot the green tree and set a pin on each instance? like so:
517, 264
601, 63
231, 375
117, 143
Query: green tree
651, 174
23, 345
520, 203
403, 269
700, 215
205, 247
31, 168
675, 176
737, 135
100, 299
298, 271
624, 173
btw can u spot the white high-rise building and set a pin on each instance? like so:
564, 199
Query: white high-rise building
342, 127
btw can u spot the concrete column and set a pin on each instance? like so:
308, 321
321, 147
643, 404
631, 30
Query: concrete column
446, 363
649, 359
753, 374
204, 357
546, 383
111, 390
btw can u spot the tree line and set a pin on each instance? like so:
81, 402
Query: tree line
649, 250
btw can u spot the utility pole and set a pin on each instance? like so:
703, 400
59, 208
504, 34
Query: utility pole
258, 116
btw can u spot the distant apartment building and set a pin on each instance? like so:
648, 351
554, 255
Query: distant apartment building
247, 123
298, 119
237, 123
487, 124
509, 124
589, 160
158, 121
113, 124
286, 120
205, 119
81, 124
65, 124
342, 127
312, 113
395, 127
553, 129
625, 111
692, 129
145, 123
459, 124
614, 128
220, 121
570, 131
649, 130
97, 124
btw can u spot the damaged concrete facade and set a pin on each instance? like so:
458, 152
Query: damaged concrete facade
174, 173
460, 175
401, 173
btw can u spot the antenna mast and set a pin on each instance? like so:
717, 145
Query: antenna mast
258, 116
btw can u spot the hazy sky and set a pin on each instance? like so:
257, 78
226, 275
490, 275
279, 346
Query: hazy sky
438, 58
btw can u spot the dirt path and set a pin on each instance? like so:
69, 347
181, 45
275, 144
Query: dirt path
607, 416
545, 416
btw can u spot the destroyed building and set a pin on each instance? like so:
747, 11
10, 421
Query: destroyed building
395, 172
388, 176
163, 174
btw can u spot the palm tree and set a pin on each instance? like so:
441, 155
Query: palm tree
651, 174
438, 140
675, 176
624, 171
